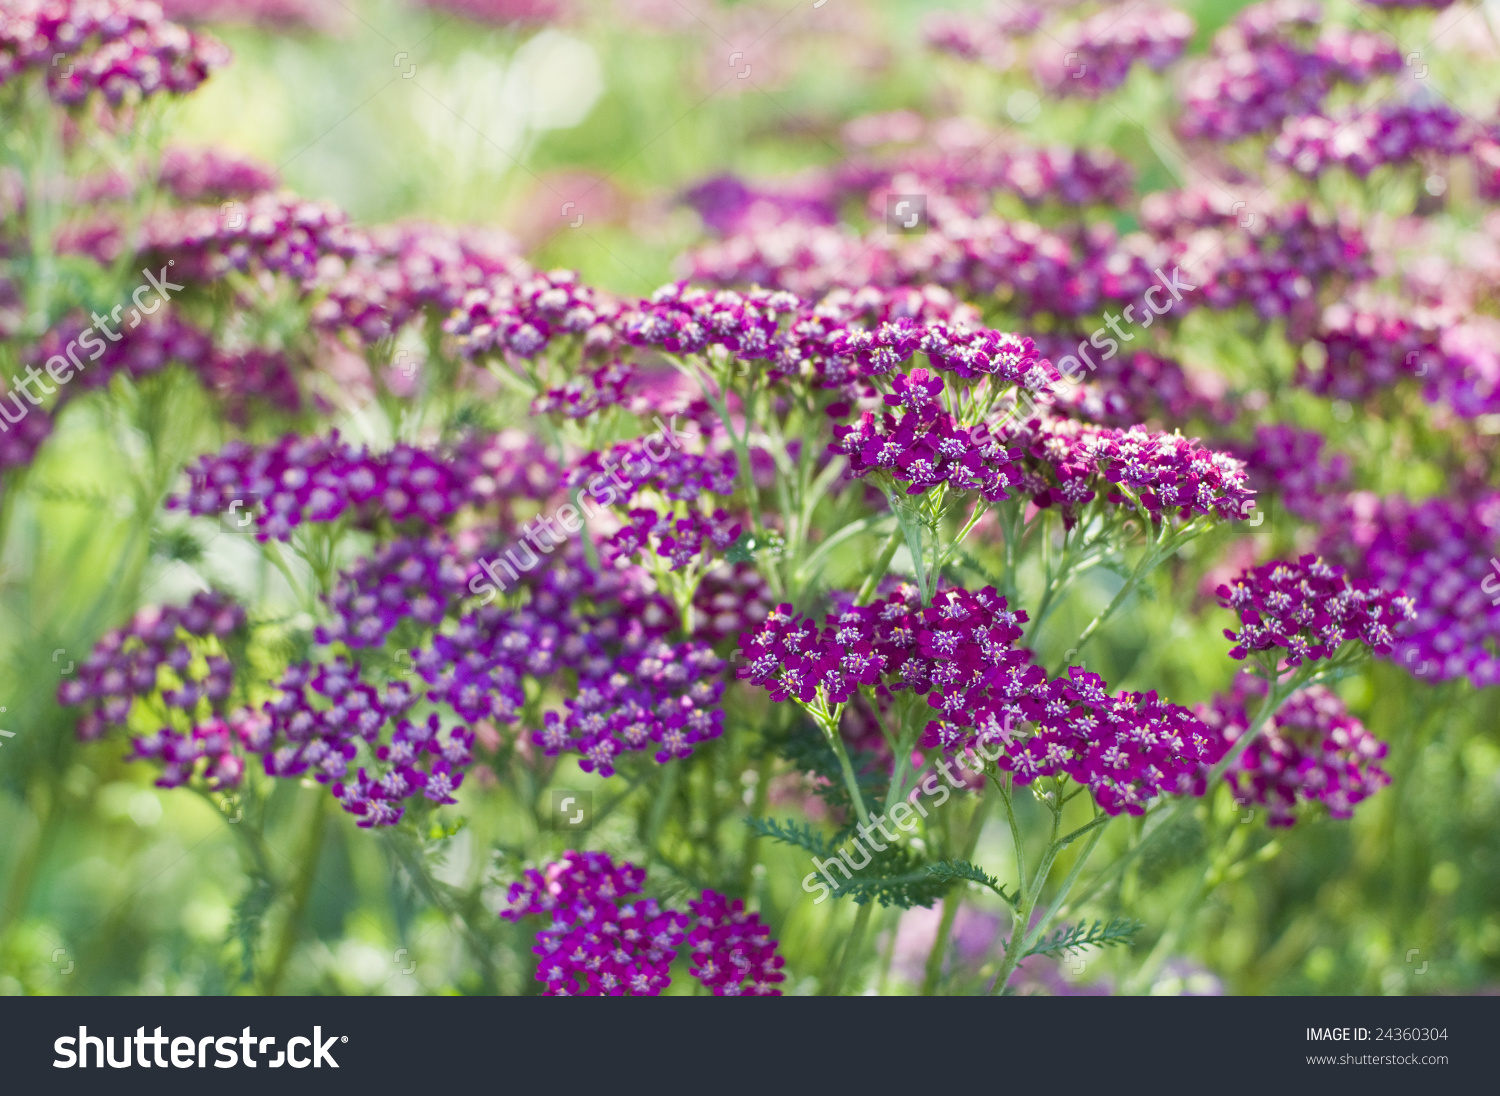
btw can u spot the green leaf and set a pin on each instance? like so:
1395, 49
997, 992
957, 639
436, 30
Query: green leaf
949, 871
801, 835
1120, 930
806, 748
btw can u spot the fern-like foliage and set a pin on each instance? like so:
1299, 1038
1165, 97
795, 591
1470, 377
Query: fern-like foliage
950, 871
895, 876
799, 834
806, 748
249, 914
1120, 930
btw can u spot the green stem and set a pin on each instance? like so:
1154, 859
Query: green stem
934, 970
1098, 826
751, 854
659, 807
852, 949
1182, 917
882, 564
1015, 947
952, 900
301, 894
851, 781
1275, 695
1147, 562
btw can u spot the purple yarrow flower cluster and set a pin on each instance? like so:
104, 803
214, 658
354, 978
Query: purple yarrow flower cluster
1127, 749
171, 654
211, 741
628, 468
985, 39
1360, 351
1443, 550
138, 350
925, 446
1308, 609
1271, 259
298, 480
210, 175
1094, 56
1485, 156
277, 14
20, 442
598, 636
1068, 464
960, 652
872, 305
1366, 350
731, 597
321, 716
1068, 273
1278, 263
728, 204
1468, 375
522, 317
385, 277
596, 947
1358, 56
681, 319
1311, 750
277, 233
405, 579
377, 800
1360, 141
138, 346
657, 693
1263, 70
731, 947
1290, 465
680, 539
1058, 173
587, 392
892, 644
1133, 389
124, 49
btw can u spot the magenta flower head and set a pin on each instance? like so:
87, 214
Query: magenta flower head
124, 49
733, 952
1069, 464
1311, 750
951, 646
1308, 610
598, 947
1127, 749
1094, 56
168, 655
